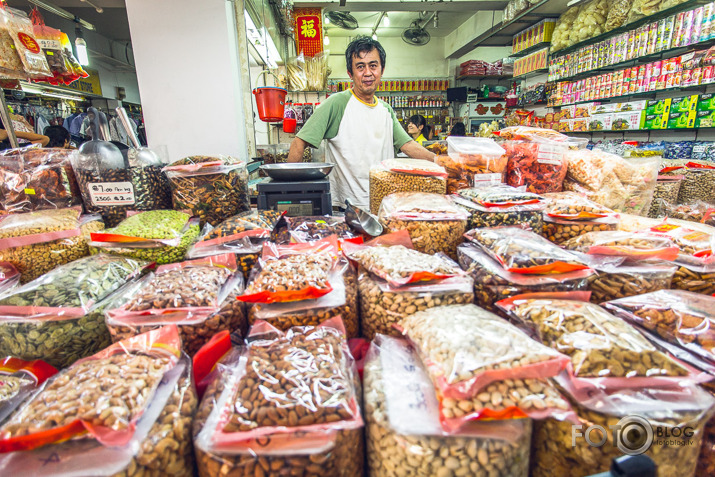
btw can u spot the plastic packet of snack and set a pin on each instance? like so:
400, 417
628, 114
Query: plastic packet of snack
573, 206
633, 245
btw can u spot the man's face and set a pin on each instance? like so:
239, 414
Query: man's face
367, 72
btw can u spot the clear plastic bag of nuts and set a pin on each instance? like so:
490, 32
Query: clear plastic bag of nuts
158, 443
613, 281
501, 206
18, 380
404, 436
698, 184
311, 427
405, 175
37, 242
573, 206
310, 229
668, 411
560, 231
706, 460
619, 243
198, 296
342, 301
434, 221
244, 232
492, 283
9, 277
694, 278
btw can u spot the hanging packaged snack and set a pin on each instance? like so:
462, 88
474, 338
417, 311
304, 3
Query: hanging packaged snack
303, 418
26, 45
11, 66
19, 379
477, 159
466, 348
601, 346
404, 435
75, 70
105, 186
213, 188
9, 277
573, 206
559, 450
666, 191
633, 245
694, 278
434, 221
198, 296
161, 236
310, 229
521, 251
698, 184
297, 78
37, 242
342, 301
560, 231
493, 283
405, 175
59, 317
293, 272
242, 233
50, 40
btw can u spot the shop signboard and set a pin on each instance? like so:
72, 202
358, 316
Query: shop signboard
89, 85
308, 30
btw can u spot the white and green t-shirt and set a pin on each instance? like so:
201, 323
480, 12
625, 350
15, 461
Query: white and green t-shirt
358, 136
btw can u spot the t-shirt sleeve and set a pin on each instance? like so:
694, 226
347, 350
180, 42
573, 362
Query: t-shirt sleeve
399, 135
325, 121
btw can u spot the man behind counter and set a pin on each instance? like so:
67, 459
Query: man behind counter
361, 130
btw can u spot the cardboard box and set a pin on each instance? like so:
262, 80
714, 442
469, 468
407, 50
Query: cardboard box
706, 102
705, 119
602, 122
628, 121
682, 120
631, 106
603, 109
653, 121
657, 106
579, 124
683, 104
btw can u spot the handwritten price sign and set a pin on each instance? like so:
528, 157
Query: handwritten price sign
111, 193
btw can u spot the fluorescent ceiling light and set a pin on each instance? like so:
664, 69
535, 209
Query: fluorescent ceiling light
374, 36
326, 40
386, 20
61, 12
56, 93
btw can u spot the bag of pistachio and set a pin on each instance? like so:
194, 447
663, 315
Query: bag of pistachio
59, 317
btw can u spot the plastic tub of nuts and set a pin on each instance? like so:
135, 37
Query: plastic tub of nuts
37, 242
198, 296
434, 221
305, 419
404, 436
501, 205
59, 317
152, 420
405, 175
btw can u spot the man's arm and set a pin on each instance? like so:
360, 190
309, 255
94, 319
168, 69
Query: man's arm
415, 151
297, 146
32, 137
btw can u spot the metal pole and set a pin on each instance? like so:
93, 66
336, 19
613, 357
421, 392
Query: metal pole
5, 115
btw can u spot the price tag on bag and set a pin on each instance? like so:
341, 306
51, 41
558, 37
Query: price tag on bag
111, 193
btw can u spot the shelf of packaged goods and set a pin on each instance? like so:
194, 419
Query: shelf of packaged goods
531, 49
485, 100
532, 74
694, 89
682, 7
661, 55
420, 107
483, 77
611, 131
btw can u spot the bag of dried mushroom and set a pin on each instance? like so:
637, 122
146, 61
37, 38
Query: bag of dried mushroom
146, 431
18, 380
404, 435
302, 418
198, 296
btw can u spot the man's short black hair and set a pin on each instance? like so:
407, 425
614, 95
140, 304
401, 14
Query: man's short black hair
57, 134
360, 45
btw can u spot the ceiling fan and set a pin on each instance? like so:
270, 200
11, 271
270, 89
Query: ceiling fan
343, 20
416, 34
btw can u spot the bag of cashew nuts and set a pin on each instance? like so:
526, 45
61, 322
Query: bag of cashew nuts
493, 283
342, 301
161, 236
301, 418
310, 229
37, 242
632, 245
664, 423
59, 318
500, 205
404, 436
213, 188
9, 277
604, 349
198, 296
573, 206
560, 231
522, 251
405, 175
243, 232
434, 221
146, 431
466, 348
18, 380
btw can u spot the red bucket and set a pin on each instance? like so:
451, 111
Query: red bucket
270, 101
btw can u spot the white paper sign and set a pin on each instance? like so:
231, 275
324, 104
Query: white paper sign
111, 193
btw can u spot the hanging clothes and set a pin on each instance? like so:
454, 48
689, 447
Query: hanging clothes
40, 124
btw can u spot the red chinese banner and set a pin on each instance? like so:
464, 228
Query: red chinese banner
308, 30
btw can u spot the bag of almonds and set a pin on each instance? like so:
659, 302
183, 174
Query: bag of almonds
145, 432
310, 229
59, 317
613, 280
493, 283
404, 435
405, 175
434, 221
18, 380
673, 417
302, 418
37, 242
198, 296
559, 231
161, 236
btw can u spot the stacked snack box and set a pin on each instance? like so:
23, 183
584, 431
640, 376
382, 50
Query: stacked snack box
534, 61
535, 34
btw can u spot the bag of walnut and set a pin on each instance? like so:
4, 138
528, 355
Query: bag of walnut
404, 436
145, 432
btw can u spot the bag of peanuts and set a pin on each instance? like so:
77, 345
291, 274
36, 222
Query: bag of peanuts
59, 317
342, 301
434, 221
493, 283
560, 231
147, 431
604, 349
293, 272
18, 380
161, 236
245, 231
523, 251
213, 188
9, 277
404, 435
301, 418
666, 424
310, 229
198, 296
466, 348
573, 206
632, 245
37, 242
405, 175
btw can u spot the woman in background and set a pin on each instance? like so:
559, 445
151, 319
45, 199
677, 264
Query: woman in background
458, 129
417, 128
22, 138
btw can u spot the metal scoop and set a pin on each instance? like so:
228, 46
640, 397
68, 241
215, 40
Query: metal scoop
138, 155
361, 221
